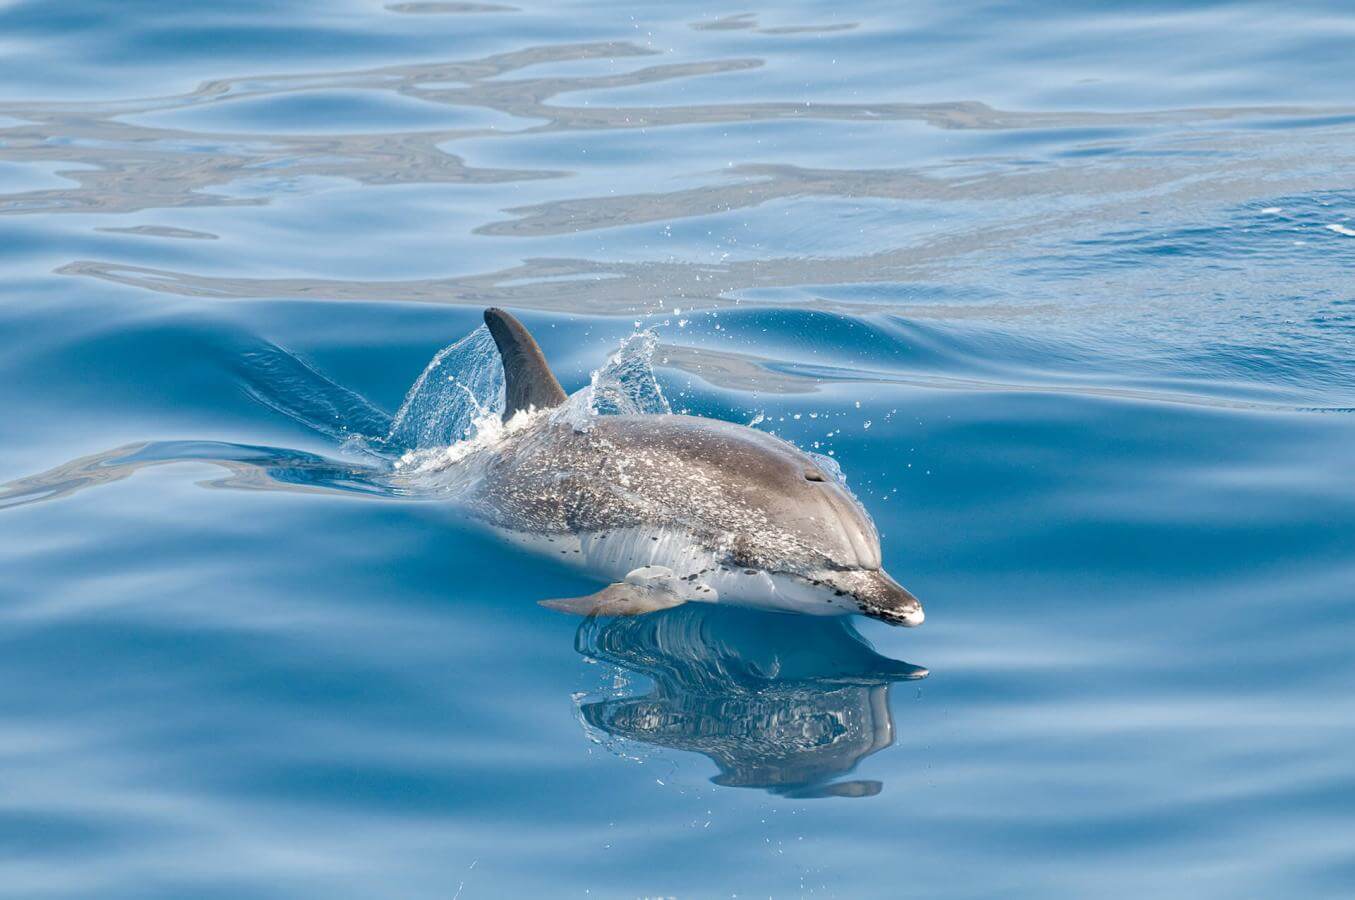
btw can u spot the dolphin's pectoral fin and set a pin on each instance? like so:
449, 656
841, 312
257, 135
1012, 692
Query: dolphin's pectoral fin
619, 599
646, 589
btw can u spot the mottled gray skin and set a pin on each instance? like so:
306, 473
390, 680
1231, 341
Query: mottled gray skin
748, 500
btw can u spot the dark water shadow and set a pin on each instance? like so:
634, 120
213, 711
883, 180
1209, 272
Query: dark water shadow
789, 704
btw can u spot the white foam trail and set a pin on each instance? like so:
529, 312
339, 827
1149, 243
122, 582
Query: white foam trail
487, 432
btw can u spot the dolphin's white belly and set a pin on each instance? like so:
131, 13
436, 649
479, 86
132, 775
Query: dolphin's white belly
610, 556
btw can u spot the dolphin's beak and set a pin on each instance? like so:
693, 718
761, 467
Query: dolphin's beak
877, 595
889, 601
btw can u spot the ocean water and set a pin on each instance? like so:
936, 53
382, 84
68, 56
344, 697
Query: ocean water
1064, 288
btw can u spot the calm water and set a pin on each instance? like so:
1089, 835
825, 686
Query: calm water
1065, 290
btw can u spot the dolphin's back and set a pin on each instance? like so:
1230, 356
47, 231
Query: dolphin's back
755, 499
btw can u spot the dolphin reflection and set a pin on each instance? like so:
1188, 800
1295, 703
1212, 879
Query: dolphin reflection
783, 703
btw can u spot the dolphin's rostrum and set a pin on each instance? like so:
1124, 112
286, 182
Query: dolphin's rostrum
675, 508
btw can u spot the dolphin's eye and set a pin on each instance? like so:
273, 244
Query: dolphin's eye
813, 475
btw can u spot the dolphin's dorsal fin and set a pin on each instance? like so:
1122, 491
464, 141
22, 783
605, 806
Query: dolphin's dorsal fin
528, 381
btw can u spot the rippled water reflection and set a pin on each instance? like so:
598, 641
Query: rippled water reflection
779, 703
1064, 288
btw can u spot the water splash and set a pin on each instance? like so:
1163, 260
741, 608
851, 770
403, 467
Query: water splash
456, 404
459, 390
624, 385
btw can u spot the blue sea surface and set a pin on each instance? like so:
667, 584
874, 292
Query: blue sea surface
1064, 288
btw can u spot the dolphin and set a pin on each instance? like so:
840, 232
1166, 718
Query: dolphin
670, 509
